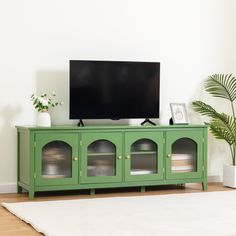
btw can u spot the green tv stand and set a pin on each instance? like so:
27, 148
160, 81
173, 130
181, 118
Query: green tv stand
92, 157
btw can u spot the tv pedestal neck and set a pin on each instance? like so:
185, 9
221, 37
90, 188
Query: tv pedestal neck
147, 120
80, 123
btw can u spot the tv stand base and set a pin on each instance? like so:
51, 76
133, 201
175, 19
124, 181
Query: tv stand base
148, 121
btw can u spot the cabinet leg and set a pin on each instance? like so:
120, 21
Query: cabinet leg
92, 192
31, 195
19, 189
142, 189
204, 185
181, 185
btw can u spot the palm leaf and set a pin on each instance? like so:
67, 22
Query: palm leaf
223, 86
224, 128
205, 109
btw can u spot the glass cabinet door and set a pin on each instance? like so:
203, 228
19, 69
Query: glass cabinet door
143, 156
57, 159
102, 157
184, 154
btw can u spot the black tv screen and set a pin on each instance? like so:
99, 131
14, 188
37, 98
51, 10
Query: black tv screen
114, 89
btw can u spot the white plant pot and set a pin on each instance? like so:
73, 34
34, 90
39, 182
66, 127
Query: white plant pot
44, 119
229, 176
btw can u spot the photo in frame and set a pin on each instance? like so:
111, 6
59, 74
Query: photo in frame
179, 113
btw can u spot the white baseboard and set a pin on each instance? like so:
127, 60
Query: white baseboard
8, 188
214, 178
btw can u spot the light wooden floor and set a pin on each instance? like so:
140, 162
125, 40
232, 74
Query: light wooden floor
12, 226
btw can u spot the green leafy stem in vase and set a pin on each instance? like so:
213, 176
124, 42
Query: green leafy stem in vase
44, 102
222, 125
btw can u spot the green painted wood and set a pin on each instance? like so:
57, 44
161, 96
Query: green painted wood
115, 138
92, 192
118, 185
19, 189
31, 166
29, 156
108, 127
204, 185
31, 193
23, 158
205, 150
157, 139
42, 139
24, 186
197, 136
142, 189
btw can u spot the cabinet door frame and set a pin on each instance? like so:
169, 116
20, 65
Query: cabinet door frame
197, 137
41, 139
157, 138
89, 138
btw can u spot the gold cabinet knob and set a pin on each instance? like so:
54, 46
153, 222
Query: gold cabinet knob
119, 157
169, 155
75, 158
128, 157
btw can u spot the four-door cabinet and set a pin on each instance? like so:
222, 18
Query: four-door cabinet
91, 157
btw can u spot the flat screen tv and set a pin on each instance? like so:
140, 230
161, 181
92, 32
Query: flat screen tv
114, 89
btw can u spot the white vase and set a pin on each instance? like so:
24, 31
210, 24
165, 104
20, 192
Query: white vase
44, 119
229, 176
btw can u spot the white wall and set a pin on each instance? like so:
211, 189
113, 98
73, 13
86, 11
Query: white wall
191, 38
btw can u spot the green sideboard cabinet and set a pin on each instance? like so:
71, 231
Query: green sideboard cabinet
92, 157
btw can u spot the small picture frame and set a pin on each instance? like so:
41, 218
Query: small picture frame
179, 113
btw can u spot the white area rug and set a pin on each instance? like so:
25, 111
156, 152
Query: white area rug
204, 214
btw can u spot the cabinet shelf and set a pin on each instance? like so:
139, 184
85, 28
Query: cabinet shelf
143, 153
54, 176
132, 153
142, 172
101, 154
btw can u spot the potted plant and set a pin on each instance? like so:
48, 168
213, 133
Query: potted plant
42, 104
222, 125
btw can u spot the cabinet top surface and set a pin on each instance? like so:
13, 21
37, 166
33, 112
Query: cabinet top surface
109, 127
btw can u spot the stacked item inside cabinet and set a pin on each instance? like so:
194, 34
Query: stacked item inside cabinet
183, 163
